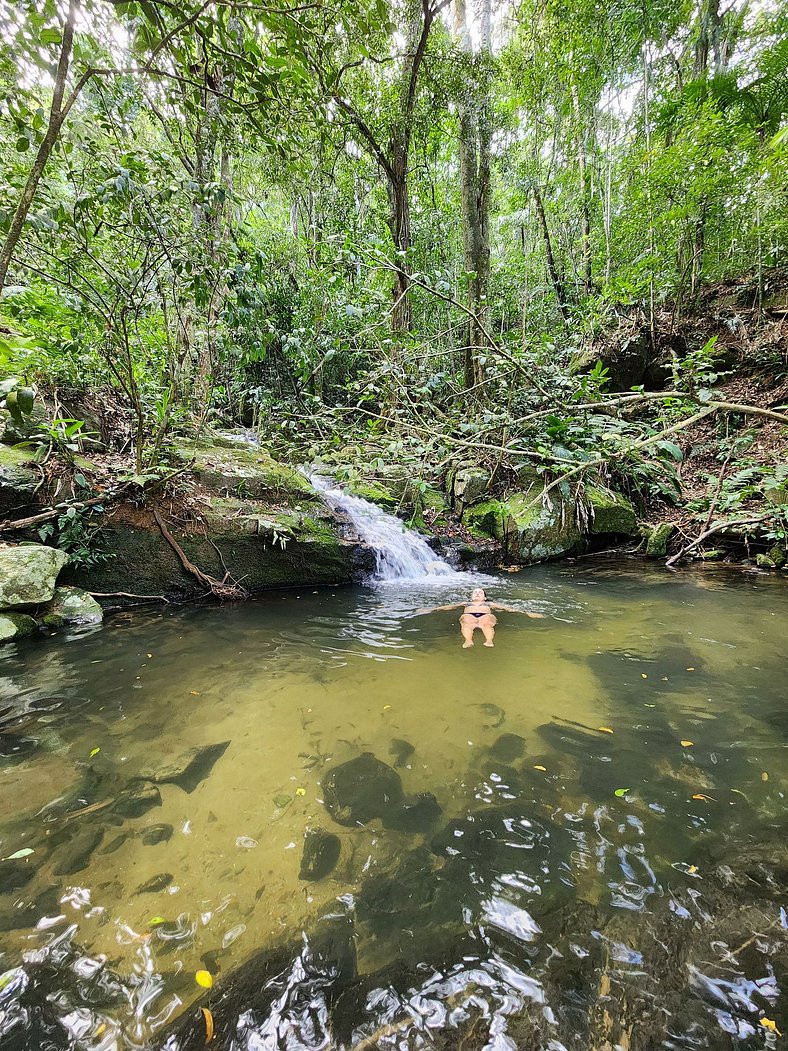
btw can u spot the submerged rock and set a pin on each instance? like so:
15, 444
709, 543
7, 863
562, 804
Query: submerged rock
155, 883
401, 751
419, 813
657, 540
77, 851
155, 834
137, 799
189, 769
508, 747
72, 606
28, 573
321, 854
360, 790
16, 626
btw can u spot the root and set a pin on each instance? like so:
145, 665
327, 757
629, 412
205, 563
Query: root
226, 590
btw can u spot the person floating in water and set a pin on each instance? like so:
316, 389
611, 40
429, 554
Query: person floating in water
478, 613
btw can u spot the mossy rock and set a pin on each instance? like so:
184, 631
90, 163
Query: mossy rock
16, 626
536, 533
487, 519
468, 485
28, 573
224, 466
612, 513
374, 492
71, 606
18, 477
657, 539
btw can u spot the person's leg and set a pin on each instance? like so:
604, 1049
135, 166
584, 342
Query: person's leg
467, 624
487, 624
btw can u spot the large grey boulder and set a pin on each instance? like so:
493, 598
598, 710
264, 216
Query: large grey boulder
72, 606
28, 573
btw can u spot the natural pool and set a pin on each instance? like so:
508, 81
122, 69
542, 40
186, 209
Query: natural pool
589, 848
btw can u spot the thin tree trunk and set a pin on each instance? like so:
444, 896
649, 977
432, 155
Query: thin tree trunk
585, 210
474, 156
57, 114
552, 269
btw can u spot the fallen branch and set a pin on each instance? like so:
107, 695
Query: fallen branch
220, 588
717, 529
13, 525
128, 594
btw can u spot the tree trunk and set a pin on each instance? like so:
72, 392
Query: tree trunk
57, 114
585, 208
474, 157
399, 224
552, 269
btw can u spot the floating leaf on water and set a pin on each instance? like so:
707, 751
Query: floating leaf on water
771, 1025
621, 791
692, 869
148, 654
208, 1025
95, 751
690, 669
700, 795
245, 843
282, 801
300, 791
233, 935
194, 693
643, 675
204, 978
764, 776
386, 707
686, 744
25, 852
604, 729
156, 921
542, 768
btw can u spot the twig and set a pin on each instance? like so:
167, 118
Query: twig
717, 529
128, 594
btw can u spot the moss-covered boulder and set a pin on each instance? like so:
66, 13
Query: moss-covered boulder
224, 466
71, 606
18, 477
610, 513
468, 485
28, 573
16, 626
528, 529
657, 539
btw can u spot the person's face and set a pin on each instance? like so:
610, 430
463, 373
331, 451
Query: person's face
477, 595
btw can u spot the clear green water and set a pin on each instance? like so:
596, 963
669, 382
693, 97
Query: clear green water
539, 855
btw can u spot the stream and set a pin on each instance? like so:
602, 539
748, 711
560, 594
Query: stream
558, 819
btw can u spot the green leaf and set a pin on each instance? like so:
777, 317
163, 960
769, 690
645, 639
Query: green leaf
621, 791
25, 852
22, 144
50, 36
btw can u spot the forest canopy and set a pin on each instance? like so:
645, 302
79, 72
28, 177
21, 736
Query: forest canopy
264, 213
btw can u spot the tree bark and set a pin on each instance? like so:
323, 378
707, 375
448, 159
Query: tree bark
474, 156
57, 114
552, 269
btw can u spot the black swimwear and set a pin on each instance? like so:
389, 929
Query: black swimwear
477, 614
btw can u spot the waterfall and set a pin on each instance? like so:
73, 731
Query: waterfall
400, 554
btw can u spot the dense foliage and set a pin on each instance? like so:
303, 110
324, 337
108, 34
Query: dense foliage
320, 217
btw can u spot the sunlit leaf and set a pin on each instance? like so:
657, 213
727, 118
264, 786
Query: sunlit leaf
621, 792
686, 744
208, 1025
204, 979
604, 730
771, 1025
25, 852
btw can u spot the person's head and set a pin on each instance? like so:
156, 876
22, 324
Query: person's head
478, 595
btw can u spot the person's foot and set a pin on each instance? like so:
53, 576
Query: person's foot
467, 645
489, 644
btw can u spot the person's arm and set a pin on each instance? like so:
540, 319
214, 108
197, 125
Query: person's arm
511, 609
439, 609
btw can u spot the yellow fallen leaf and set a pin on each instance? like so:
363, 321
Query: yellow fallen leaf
386, 707
764, 776
643, 675
690, 669
542, 768
300, 791
148, 654
686, 744
208, 1025
604, 729
194, 693
204, 978
771, 1025
692, 869
700, 795
94, 751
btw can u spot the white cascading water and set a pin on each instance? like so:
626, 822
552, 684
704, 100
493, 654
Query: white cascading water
400, 553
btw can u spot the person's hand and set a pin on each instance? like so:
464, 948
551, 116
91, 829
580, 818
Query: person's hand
535, 616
